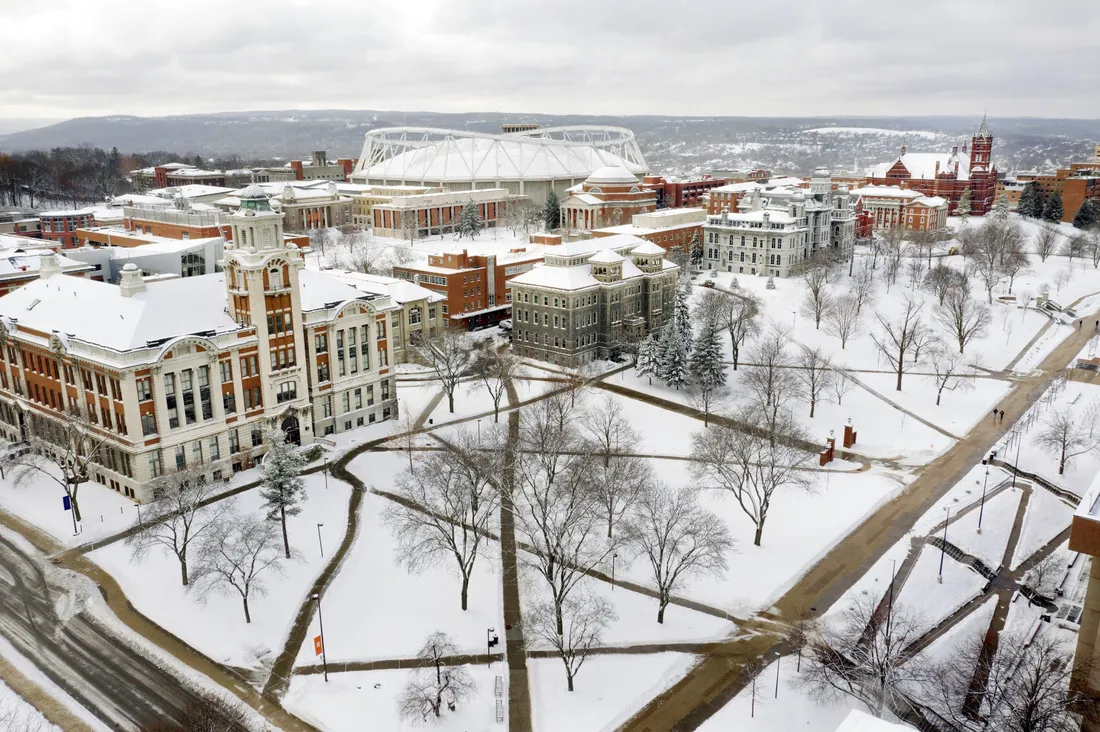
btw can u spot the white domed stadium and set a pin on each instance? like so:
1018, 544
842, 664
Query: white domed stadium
531, 163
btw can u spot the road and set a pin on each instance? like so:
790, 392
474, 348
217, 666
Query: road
90, 661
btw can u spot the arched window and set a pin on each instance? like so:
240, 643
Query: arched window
275, 277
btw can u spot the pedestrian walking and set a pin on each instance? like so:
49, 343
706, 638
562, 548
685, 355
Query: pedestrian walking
1002, 415
994, 414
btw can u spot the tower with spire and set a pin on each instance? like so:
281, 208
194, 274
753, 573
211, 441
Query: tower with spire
983, 175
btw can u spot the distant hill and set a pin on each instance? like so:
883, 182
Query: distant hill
671, 144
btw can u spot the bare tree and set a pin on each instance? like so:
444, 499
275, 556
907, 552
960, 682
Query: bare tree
678, 537
948, 371
363, 254
236, 556
448, 353
494, 369
843, 321
840, 385
448, 502
183, 509
436, 683
1043, 579
770, 383
1019, 685
914, 270
1092, 242
617, 478
574, 630
897, 338
892, 250
814, 373
63, 449
410, 227
561, 517
863, 656
963, 317
941, 279
986, 250
1076, 246
818, 300
1046, 242
1015, 262
605, 428
753, 463
739, 317
863, 285
1068, 436
1062, 278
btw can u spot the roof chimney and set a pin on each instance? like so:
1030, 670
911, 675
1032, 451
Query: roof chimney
903, 149
48, 265
130, 281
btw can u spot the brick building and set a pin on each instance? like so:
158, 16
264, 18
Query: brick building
435, 214
1075, 183
319, 167
890, 207
187, 373
680, 193
669, 228
61, 226
947, 175
610, 196
476, 287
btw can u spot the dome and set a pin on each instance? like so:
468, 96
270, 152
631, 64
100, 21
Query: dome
131, 267
647, 250
254, 199
821, 172
613, 175
606, 257
253, 191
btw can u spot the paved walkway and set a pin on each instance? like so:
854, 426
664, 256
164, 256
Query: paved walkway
897, 406
713, 682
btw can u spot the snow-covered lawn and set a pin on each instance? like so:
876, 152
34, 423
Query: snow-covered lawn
791, 711
217, 627
997, 519
367, 700
931, 601
413, 397
959, 410
376, 609
18, 715
964, 493
801, 528
607, 691
973, 626
1046, 517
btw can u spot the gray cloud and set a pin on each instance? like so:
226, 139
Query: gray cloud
1013, 57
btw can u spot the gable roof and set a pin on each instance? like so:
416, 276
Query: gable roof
923, 165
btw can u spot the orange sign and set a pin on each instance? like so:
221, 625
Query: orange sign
318, 649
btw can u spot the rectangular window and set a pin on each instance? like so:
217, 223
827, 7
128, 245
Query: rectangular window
346, 401
227, 371
215, 451
156, 464
144, 390
370, 395
148, 424
196, 452
383, 358
170, 400
287, 392
229, 403
188, 394
181, 457
257, 435
321, 343
358, 398
234, 442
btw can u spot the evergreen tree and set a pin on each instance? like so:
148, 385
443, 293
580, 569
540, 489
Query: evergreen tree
963, 207
647, 357
673, 365
707, 368
681, 313
469, 222
1000, 208
1052, 208
1031, 202
283, 486
551, 212
696, 250
1088, 215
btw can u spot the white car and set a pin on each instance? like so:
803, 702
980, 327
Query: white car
505, 324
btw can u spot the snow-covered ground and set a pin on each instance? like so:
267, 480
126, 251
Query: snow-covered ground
23, 716
19, 716
997, 518
1046, 517
217, 625
931, 600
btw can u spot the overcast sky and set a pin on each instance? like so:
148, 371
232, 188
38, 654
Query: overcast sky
70, 58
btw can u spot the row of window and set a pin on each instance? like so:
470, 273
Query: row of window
352, 399
580, 341
204, 451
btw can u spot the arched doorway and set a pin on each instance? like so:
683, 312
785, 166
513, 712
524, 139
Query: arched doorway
291, 431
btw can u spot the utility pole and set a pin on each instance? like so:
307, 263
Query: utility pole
981, 506
943, 548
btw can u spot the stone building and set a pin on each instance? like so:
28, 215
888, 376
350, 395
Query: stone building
186, 373
608, 197
590, 298
775, 229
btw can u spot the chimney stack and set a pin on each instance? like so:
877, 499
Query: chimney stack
48, 265
130, 282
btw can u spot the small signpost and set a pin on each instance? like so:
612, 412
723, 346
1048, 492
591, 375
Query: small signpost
318, 645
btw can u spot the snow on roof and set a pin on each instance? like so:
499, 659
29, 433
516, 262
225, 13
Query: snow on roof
606, 257
886, 192
923, 165
15, 263
787, 180
462, 159
197, 173
736, 187
555, 278
647, 249
611, 174
400, 291
96, 312
189, 190
858, 721
870, 131
319, 289
585, 198
162, 245
931, 201
69, 212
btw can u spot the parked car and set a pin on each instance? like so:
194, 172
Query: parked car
506, 324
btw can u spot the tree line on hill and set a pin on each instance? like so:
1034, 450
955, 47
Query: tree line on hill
76, 176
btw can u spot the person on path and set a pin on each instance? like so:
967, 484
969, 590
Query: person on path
994, 414
1002, 415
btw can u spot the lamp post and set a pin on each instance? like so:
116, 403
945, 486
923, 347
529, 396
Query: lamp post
778, 659
943, 548
479, 432
325, 470
491, 639
985, 484
1019, 440
614, 556
320, 545
324, 648
890, 604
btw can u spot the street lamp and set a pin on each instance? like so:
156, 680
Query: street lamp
1019, 441
326, 470
479, 432
321, 622
778, 659
985, 484
319, 544
491, 639
943, 548
614, 556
